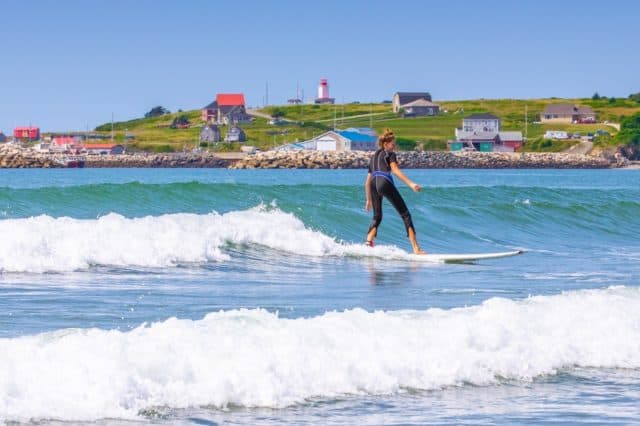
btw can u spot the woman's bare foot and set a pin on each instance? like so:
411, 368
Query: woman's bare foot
418, 250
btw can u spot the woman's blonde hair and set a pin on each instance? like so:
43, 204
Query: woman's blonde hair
387, 136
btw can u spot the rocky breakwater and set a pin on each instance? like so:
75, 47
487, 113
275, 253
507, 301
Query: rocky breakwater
423, 160
16, 157
146, 160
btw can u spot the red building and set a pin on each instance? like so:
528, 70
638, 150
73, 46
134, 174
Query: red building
30, 133
227, 108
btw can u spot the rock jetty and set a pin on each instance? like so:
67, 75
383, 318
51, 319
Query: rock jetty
12, 156
425, 160
171, 160
15, 157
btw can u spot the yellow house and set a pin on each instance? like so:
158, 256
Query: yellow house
567, 113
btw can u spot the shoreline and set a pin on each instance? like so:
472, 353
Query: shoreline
15, 157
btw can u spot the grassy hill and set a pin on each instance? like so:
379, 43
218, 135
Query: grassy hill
429, 132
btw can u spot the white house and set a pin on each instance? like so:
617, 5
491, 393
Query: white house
352, 139
481, 123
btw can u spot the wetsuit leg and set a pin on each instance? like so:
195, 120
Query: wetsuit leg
376, 203
392, 194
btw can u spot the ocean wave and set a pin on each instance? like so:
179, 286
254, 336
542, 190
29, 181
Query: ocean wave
254, 358
47, 244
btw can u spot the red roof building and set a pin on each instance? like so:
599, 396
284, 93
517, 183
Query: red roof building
31, 133
65, 141
228, 108
230, 99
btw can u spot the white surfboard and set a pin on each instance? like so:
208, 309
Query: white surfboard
465, 257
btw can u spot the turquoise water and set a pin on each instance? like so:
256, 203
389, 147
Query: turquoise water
176, 296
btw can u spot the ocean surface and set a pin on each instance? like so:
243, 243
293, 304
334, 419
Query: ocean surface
181, 296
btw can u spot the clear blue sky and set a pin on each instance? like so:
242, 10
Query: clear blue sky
71, 64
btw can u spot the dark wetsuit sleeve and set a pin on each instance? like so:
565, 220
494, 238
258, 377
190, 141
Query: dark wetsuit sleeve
392, 158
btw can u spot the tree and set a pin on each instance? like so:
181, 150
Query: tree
629, 130
157, 112
595, 96
635, 97
277, 112
180, 122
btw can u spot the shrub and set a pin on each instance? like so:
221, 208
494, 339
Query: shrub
406, 144
162, 148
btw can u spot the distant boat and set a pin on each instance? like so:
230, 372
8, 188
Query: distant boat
74, 162
71, 161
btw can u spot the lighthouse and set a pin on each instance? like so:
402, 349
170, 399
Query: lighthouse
323, 93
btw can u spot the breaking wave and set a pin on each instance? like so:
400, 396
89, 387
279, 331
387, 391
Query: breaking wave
254, 358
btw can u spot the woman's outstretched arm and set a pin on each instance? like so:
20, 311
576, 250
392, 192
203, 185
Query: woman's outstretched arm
411, 184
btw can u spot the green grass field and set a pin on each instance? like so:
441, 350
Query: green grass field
431, 133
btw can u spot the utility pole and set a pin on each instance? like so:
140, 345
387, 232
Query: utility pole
266, 96
371, 116
112, 127
526, 123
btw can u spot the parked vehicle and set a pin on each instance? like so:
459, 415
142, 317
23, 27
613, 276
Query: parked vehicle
556, 134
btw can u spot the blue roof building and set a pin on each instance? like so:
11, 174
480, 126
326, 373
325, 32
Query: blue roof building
360, 141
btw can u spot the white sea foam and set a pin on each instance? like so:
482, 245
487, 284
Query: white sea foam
255, 358
47, 244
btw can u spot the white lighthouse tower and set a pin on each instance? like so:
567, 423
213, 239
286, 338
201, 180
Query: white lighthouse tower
323, 93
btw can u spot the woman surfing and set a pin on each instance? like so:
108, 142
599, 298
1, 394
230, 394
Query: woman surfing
380, 184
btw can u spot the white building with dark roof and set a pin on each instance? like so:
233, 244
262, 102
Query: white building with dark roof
419, 108
400, 99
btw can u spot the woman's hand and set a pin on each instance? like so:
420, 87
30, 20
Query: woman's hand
367, 205
415, 187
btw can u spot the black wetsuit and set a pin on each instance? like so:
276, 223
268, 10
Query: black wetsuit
381, 185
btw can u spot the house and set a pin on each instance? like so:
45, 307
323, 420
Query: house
363, 139
567, 113
328, 141
420, 108
402, 98
26, 133
482, 122
210, 112
352, 139
44, 147
210, 133
511, 139
3, 137
62, 143
478, 141
235, 134
103, 148
228, 108
481, 132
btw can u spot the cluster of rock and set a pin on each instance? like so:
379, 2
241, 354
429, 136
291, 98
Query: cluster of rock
424, 160
169, 160
14, 157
